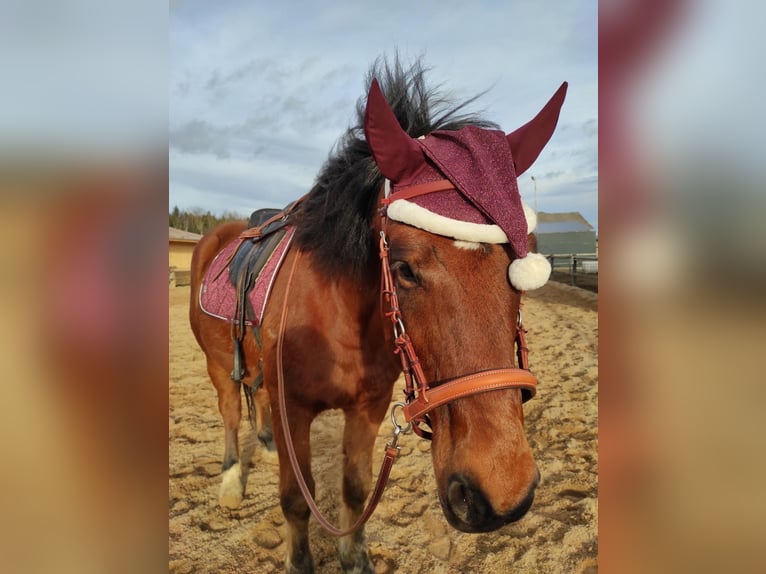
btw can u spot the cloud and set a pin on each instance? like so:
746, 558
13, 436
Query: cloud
235, 184
259, 98
590, 127
198, 136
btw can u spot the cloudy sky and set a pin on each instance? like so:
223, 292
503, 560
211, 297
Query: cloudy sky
260, 91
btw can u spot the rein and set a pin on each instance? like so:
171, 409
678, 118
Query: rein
421, 396
392, 450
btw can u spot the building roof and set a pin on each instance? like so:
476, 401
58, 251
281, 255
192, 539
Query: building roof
561, 222
183, 236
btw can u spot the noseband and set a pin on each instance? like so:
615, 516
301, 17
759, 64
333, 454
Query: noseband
422, 396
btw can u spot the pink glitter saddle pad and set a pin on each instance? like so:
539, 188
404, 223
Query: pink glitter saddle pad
218, 295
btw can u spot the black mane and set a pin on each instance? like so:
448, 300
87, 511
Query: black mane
335, 219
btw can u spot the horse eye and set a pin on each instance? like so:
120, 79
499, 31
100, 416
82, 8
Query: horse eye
404, 274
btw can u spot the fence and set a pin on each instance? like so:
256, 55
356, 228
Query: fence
578, 269
179, 277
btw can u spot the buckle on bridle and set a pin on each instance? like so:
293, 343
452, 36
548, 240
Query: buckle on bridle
398, 429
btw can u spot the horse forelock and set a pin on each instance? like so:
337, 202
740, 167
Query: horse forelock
335, 221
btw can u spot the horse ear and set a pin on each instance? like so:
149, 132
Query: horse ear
529, 140
398, 156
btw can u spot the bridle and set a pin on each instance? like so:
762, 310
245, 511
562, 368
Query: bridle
421, 397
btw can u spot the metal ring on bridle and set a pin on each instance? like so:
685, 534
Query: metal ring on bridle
397, 427
398, 328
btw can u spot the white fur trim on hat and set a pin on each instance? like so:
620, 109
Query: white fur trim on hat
530, 216
530, 272
412, 214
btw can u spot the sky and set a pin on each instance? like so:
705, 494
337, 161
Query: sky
260, 91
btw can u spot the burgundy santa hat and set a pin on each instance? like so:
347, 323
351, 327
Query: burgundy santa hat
479, 200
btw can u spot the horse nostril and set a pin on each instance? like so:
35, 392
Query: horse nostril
457, 496
467, 504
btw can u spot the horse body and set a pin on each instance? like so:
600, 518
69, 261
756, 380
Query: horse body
461, 315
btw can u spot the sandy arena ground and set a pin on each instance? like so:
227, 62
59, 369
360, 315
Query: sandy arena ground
407, 533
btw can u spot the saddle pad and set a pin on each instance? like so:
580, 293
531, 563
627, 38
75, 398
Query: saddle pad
218, 297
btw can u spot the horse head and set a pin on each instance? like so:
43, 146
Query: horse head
460, 250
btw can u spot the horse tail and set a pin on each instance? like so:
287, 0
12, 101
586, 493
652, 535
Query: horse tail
248, 391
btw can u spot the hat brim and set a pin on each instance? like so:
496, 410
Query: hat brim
413, 214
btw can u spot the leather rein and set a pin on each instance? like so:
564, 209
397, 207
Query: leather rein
421, 397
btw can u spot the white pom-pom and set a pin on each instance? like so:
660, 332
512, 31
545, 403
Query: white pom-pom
529, 273
530, 216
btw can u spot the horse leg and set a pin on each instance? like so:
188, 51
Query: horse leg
298, 557
231, 491
358, 441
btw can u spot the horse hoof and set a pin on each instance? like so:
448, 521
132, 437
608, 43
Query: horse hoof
354, 558
266, 437
304, 565
362, 565
232, 490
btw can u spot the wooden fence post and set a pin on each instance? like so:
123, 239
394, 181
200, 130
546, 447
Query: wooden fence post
574, 268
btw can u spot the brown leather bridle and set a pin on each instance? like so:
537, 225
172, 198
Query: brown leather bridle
421, 397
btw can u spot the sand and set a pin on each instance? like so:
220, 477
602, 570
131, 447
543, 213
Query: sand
408, 533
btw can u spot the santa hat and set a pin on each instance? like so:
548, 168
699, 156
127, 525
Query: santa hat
463, 184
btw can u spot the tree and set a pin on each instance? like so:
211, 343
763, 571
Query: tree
197, 220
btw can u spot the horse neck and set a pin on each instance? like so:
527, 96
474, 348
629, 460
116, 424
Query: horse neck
365, 290
355, 299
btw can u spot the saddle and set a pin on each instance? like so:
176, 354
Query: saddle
237, 283
252, 255
265, 231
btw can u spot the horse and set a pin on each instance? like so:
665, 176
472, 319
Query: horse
413, 239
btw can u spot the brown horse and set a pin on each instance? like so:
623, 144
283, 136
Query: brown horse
454, 296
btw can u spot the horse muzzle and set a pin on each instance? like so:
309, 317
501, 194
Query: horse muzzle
467, 508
